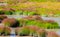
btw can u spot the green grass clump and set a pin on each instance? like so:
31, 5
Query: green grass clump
41, 24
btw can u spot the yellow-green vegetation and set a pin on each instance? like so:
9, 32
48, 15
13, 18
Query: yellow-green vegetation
44, 0
39, 8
